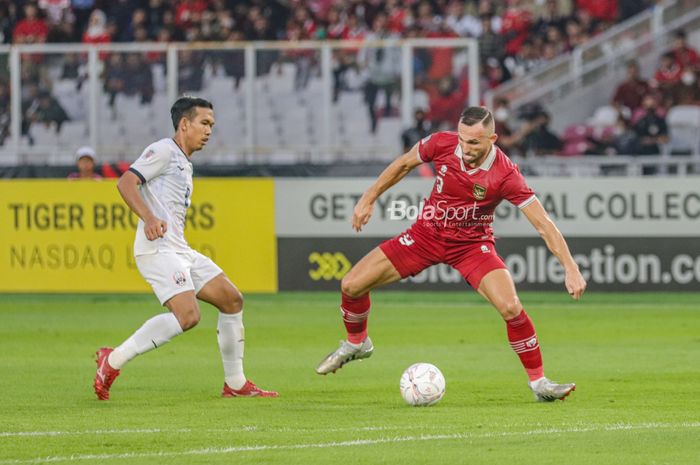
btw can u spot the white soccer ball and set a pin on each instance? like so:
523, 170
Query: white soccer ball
422, 384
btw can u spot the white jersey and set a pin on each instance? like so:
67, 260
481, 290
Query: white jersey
166, 187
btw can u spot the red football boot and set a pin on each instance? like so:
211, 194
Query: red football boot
249, 389
105, 375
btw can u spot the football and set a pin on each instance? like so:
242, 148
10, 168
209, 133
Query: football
422, 384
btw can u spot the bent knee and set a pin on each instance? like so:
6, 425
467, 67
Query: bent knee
510, 308
351, 287
232, 301
237, 299
189, 318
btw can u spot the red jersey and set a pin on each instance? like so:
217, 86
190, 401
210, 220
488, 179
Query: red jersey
516, 25
462, 203
605, 11
669, 75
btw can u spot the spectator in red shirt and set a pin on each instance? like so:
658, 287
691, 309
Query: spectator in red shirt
441, 58
516, 26
336, 28
188, 12
630, 93
687, 57
32, 29
96, 31
603, 10
687, 91
302, 16
398, 16
447, 101
667, 76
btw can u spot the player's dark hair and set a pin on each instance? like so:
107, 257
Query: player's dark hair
185, 106
474, 115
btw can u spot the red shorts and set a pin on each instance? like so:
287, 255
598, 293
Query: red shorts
420, 247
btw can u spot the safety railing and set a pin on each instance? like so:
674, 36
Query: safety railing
274, 102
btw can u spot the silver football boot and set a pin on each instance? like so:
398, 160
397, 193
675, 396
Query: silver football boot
344, 354
546, 390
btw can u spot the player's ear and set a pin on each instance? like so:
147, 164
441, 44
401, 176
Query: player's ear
493, 137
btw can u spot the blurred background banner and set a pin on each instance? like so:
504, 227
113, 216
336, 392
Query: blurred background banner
626, 234
60, 236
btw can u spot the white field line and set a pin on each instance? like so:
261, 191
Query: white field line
351, 443
241, 429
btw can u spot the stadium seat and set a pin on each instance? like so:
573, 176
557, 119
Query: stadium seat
574, 149
577, 133
684, 129
606, 115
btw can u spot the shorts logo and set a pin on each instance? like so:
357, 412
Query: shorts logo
179, 278
406, 240
531, 342
485, 249
479, 192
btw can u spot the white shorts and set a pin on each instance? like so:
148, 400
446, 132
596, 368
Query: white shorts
171, 273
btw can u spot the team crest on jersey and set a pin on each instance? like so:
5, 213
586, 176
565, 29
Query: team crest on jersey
179, 278
406, 240
479, 192
148, 154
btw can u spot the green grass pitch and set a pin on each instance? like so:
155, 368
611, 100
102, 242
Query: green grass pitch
634, 357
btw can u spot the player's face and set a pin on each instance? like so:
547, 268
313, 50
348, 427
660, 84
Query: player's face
476, 142
199, 128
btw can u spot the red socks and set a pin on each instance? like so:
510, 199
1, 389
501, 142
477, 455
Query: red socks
355, 312
521, 333
523, 340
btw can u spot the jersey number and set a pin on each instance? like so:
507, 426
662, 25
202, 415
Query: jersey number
438, 184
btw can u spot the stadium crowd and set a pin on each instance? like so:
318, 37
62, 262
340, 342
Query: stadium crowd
515, 36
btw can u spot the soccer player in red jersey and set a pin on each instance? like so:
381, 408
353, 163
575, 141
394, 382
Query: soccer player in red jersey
473, 177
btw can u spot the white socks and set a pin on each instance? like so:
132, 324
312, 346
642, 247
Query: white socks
161, 328
231, 336
153, 334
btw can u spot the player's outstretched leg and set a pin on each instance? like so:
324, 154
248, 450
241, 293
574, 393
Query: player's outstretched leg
498, 288
221, 293
152, 334
373, 270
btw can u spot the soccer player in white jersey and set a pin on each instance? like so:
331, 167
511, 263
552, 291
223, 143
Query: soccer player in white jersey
158, 188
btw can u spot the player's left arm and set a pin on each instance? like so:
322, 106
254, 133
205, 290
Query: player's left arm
537, 215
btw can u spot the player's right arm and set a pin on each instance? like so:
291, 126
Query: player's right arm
128, 187
392, 174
